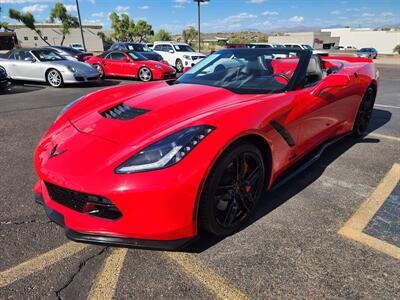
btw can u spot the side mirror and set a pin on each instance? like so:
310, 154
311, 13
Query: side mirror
331, 81
171, 51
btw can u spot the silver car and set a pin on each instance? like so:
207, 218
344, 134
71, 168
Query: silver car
46, 65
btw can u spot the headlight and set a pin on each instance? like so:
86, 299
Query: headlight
158, 66
166, 152
187, 57
68, 106
72, 69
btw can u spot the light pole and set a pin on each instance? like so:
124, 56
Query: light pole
198, 18
80, 24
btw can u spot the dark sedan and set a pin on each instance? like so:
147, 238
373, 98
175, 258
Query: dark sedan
137, 47
71, 53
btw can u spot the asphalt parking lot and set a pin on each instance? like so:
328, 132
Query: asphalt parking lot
309, 239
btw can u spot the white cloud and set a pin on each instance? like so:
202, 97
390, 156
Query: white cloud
241, 16
387, 14
270, 13
121, 8
335, 12
92, 1
296, 19
23, 1
98, 15
34, 8
144, 7
367, 15
71, 7
180, 3
256, 1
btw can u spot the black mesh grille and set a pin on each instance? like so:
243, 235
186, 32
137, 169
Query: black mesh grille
90, 204
123, 111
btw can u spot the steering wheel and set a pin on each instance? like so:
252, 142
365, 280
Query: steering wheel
282, 76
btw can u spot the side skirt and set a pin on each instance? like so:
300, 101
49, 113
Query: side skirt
304, 163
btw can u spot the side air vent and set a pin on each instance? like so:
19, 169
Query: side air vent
123, 112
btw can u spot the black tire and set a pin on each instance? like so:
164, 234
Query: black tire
145, 74
227, 201
100, 69
364, 113
54, 78
179, 65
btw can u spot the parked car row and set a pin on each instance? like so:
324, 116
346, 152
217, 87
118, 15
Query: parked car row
295, 46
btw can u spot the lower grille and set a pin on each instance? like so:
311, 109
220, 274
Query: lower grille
85, 203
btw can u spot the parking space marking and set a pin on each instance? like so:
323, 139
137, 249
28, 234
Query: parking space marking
353, 229
384, 136
39, 263
195, 269
107, 279
387, 106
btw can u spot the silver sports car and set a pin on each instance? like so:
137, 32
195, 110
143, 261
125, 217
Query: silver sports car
41, 64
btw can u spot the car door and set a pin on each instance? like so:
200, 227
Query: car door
25, 66
110, 66
119, 63
170, 54
325, 113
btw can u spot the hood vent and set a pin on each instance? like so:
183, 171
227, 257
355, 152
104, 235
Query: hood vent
123, 112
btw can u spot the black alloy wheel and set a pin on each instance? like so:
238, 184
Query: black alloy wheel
232, 190
364, 113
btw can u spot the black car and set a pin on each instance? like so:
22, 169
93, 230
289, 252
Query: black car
4, 80
70, 53
138, 47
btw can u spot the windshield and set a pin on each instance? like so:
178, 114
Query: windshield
136, 56
183, 48
47, 55
69, 50
308, 47
246, 70
365, 50
139, 47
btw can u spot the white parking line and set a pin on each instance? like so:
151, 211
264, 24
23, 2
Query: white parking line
387, 106
39, 263
384, 136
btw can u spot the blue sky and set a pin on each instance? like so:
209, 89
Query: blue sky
226, 15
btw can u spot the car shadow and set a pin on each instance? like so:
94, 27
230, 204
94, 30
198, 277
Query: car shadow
95, 83
20, 88
272, 200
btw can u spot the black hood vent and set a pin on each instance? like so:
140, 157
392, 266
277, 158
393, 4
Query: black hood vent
123, 112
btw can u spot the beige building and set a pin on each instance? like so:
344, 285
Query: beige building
383, 41
318, 40
51, 32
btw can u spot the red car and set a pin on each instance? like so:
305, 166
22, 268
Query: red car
152, 165
131, 64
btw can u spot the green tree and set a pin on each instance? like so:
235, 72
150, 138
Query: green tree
4, 25
104, 37
397, 49
59, 13
142, 30
163, 35
28, 20
189, 34
123, 27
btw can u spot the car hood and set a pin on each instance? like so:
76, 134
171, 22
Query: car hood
79, 66
167, 107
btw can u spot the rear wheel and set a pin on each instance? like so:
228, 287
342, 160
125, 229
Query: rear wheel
54, 78
364, 113
232, 190
100, 70
145, 74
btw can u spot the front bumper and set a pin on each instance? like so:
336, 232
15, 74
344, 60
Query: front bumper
58, 218
80, 77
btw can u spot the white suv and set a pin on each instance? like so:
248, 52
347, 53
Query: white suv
178, 55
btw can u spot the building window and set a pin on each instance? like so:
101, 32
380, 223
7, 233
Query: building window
35, 38
45, 38
25, 38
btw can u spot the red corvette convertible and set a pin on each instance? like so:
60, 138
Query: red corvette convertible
131, 64
152, 165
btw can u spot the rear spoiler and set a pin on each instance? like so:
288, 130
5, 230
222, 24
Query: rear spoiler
348, 58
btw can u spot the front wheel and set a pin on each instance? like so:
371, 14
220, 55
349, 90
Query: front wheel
364, 113
232, 190
99, 69
54, 78
145, 74
179, 65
